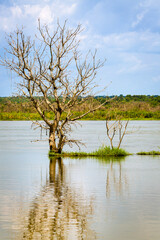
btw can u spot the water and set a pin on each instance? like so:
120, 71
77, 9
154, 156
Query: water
79, 198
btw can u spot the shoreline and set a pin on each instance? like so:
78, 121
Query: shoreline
87, 119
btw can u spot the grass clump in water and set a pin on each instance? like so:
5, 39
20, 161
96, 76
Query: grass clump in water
107, 151
101, 152
149, 153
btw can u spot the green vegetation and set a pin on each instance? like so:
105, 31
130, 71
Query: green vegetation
137, 107
107, 151
103, 151
149, 153
19, 116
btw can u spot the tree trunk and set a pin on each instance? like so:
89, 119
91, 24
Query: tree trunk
57, 148
52, 140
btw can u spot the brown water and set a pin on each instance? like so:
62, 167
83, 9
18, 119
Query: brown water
87, 198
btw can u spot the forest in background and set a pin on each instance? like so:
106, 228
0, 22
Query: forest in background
136, 107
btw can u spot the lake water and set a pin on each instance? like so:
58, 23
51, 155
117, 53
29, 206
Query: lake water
91, 198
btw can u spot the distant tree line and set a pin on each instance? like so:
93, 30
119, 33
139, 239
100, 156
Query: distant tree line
153, 99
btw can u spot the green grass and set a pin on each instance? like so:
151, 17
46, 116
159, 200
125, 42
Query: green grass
149, 153
15, 116
69, 154
98, 115
103, 151
107, 151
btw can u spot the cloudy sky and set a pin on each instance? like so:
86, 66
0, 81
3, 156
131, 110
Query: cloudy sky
125, 32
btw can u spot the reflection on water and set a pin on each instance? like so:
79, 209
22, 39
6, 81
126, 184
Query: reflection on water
57, 212
116, 179
91, 198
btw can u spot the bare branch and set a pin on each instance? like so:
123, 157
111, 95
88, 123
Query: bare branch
117, 126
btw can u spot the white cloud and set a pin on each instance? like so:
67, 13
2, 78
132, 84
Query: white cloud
127, 53
120, 41
46, 15
16, 11
139, 18
156, 79
131, 64
146, 42
27, 14
68, 9
149, 4
31, 10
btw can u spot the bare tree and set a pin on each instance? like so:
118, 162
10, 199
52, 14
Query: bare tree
53, 77
116, 126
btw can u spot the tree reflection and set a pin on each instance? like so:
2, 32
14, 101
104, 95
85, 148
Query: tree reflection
58, 212
117, 182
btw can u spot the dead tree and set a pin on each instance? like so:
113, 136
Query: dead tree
116, 126
53, 77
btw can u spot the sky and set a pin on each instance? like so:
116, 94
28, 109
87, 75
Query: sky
125, 32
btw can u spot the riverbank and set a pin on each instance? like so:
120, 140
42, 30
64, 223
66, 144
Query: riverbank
138, 107
99, 115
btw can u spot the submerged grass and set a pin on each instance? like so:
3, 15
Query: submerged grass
149, 153
101, 152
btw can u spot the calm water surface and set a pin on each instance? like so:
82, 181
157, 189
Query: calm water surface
91, 198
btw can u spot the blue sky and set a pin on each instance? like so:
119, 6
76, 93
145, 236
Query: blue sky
125, 32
